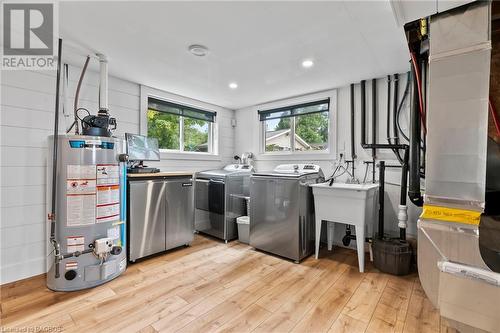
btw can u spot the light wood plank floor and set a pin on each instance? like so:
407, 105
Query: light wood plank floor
212, 286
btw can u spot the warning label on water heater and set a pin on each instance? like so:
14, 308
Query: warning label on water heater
80, 195
108, 193
92, 194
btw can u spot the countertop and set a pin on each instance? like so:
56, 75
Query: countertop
160, 174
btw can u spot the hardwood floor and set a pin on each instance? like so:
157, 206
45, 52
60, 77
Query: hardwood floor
216, 287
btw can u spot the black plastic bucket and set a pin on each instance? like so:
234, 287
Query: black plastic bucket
392, 256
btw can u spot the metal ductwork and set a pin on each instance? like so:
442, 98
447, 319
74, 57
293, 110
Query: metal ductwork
452, 271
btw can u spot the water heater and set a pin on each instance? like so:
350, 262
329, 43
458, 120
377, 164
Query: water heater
87, 234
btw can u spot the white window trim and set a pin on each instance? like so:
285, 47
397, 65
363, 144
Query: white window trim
301, 155
147, 92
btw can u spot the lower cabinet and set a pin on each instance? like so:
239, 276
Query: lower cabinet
160, 215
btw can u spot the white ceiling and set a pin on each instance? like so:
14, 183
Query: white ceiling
259, 45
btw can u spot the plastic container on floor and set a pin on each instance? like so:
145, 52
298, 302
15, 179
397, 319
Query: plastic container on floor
243, 229
392, 256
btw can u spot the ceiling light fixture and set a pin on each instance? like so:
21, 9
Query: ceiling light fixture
233, 85
307, 63
198, 50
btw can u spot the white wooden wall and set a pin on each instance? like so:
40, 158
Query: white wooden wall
27, 112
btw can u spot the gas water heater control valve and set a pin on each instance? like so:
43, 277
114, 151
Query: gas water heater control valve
103, 246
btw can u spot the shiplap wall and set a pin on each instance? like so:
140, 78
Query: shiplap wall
26, 120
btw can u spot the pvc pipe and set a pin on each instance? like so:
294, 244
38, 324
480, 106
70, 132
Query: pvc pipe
103, 83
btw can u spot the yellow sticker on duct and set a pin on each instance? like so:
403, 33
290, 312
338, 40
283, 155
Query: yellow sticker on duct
451, 214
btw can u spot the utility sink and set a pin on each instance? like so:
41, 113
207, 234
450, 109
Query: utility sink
345, 203
353, 204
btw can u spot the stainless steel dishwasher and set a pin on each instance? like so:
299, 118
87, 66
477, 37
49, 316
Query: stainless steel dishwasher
160, 214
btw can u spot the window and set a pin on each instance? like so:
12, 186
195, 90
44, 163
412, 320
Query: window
180, 128
296, 128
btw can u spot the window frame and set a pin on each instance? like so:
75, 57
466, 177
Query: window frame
181, 154
289, 104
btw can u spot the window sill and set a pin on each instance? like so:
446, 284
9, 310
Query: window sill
164, 155
303, 156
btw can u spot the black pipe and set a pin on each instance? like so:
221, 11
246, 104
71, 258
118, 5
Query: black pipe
394, 112
394, 108
423, 67
381, 191
414, 155
54, 163
374, 117
363, 113
404, 171
353, 149
388, 118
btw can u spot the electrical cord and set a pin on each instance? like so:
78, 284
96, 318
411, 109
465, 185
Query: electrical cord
82, 120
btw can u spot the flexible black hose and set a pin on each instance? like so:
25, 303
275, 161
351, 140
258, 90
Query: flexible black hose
400, 107
77, 94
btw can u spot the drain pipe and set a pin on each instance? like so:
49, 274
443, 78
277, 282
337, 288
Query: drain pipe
402, 214
388, 118
363, 126
381, 192
395, 107
374, 124
414, 159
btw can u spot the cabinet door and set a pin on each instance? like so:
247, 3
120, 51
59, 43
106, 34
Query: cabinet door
147, 218
179, 219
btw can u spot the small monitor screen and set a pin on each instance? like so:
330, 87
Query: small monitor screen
142, 148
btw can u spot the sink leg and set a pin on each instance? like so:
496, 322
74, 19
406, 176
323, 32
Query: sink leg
360, 243
330, 230
318, 236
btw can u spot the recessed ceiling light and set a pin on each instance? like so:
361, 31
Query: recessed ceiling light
233, 85
198, 50
307, 63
